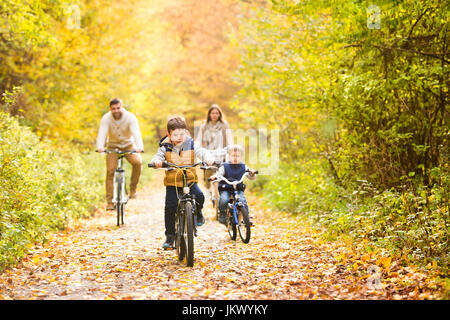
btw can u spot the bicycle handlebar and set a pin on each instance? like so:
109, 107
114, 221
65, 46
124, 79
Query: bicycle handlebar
222, 178
215, 166
170, 165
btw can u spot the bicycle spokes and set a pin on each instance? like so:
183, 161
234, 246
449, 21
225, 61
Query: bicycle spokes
179, 240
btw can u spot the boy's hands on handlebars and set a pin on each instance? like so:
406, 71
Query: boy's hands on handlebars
158, 163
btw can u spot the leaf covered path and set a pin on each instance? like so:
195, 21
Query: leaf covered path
93, 259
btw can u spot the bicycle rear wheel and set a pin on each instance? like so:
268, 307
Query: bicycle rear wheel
188, 234
243, 224
122, 209
123, 199
118, 205
216, 200
231, 226
216, 208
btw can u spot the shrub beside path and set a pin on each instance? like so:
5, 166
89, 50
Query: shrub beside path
93, 259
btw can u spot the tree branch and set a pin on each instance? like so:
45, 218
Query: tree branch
428, 54
440, 56
415, 23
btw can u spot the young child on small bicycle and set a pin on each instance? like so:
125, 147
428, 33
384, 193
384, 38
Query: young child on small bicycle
232, 170
179, 148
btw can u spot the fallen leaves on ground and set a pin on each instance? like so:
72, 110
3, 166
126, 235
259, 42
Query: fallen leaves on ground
93, 259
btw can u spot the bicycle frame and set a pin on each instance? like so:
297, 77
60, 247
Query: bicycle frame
235, 202
185, 228
213, 190
119, 180
186, 197
237, 210
235, 198
120, 197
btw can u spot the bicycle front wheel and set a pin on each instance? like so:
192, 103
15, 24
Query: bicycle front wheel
122, 209
179, 240
231, 226
119, 206
243, 224
189, 233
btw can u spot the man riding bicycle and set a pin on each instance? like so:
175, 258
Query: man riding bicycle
119, 129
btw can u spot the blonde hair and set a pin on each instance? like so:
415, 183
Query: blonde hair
235, 147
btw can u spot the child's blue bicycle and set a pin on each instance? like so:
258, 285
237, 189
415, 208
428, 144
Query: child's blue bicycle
237, 215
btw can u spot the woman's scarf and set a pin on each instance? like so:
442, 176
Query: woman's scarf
213, 135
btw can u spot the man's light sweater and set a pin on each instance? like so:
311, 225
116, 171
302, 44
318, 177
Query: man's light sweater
121, 133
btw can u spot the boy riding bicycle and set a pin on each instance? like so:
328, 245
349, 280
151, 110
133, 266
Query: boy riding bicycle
233, 170
179, 148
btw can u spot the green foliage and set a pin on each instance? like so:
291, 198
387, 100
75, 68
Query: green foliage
362, 111
69, 59
390, 92
43, 187
303, 188
414, 223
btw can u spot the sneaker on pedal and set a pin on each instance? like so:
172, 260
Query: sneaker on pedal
168, 244
200, 219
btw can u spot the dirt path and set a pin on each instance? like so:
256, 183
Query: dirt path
93, 259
